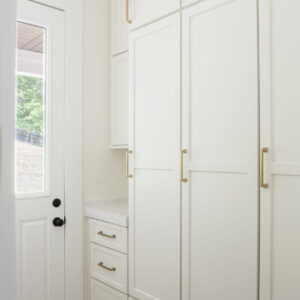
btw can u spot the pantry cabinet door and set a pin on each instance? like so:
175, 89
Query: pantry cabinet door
154, 139
119, 27
119, 101
280, 132
220, 134
144, 11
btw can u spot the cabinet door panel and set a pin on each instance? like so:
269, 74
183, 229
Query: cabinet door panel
280, 131
119, 27
100, 291
119, 101
145, 11
154, 190
220, 132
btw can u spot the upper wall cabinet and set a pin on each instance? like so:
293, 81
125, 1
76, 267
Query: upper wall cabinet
119, 27
141, 12
119, 101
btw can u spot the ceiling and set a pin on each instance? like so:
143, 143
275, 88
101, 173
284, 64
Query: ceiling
30, 37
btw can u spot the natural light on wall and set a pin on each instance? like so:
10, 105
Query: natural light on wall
31, 138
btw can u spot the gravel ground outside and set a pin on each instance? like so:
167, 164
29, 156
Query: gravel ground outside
29, 168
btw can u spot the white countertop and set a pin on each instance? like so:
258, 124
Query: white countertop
113, 211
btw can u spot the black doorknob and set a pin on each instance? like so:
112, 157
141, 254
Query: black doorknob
56, 202
58, 222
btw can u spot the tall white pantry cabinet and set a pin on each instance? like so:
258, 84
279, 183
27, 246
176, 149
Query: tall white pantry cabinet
214, 150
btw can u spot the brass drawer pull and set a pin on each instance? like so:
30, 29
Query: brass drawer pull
107, 235
127, 12
262, 165
106, 268
182, 179
127, 164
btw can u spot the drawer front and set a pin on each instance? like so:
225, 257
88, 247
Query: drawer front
109, 267
100, 291
108, 235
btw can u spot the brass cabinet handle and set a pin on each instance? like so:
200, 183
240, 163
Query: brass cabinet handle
105, 267
182, 179
127, 12
262, 165
127, 164
106, 235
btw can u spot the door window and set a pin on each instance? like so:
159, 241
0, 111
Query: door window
31, 111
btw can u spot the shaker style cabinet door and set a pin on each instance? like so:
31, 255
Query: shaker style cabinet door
119, 27
154, 139
141, 12
119, 101
280, 132
220, 134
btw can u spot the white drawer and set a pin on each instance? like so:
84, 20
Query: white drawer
108, 235
109, 267
100, 291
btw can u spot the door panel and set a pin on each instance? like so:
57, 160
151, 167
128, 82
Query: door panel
40, 152
119, 101
285, 237
154, 189
220, 133
280, 129
144, 11
101, 291
34, 258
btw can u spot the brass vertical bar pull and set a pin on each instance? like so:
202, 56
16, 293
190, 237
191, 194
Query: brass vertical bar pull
127, 164
182, 179
262, 165
127, 12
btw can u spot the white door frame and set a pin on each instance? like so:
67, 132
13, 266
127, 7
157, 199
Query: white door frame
73, 149
7, 112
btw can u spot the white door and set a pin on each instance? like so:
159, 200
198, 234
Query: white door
141, 12
119, 101
280, 132
220, 134
40, 152
154, 188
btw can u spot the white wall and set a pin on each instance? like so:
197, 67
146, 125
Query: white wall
7, 105
104, 169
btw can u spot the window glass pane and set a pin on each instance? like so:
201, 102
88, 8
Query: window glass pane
31, 138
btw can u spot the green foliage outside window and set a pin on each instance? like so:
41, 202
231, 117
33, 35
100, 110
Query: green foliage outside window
30, 104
